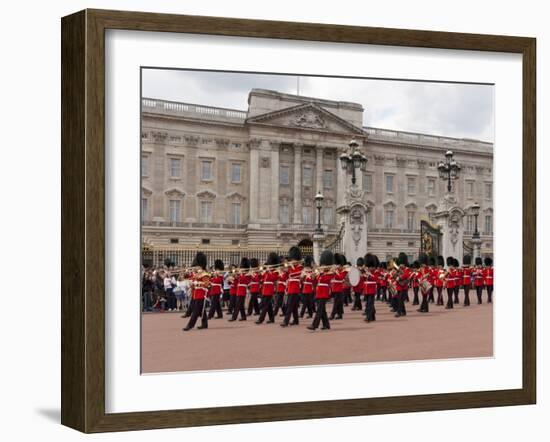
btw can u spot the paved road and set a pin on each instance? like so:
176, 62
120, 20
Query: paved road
461, 332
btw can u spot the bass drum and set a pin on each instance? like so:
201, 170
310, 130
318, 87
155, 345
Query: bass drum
353, 277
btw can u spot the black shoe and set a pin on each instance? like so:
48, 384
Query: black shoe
310, 327
200, 327
397, 315
242, 319
231, 320
186, 328
258, 322
325, 328
283, 324
271, 321
294, 323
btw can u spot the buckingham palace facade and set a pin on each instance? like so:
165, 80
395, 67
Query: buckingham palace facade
215, 177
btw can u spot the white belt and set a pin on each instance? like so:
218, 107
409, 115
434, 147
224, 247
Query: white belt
294, 280
321, 284
268, 282
242, 285
308, 283
371, 282
216, 285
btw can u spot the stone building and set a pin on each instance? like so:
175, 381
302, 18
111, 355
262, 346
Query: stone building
218, 177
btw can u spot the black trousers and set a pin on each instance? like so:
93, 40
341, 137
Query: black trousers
337, 306
450, 292
479, 291
401, 303
225, 297
321, 314
431, 295
457, 288
292, 309
370, 310
266, 307
198, 311
215, 307
347, 296
307, 304
279, 300
253, 304
407, 296
415, 298
394, 301
439, 296
189, 308
490, 293
239, 308
466, 295
232, 302
357, 305
424, 304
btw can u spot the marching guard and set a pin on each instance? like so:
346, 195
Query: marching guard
488, 278
281, 288
370, 287
200, 285
322, 291
308, 286
294, 286
359, 288
425, 283
466, 278
477, 275
254, 288
402, 279
415, 277
439, 279
215, 291
243, 279
269, 280
450, 281
337, 287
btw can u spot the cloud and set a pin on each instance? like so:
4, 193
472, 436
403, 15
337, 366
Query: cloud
455, 110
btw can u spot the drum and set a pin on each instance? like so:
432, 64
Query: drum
393, 290
425, 286
353, 276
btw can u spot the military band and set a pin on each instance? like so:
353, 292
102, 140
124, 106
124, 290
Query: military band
296, 286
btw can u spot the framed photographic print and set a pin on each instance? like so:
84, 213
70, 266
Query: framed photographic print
268, 221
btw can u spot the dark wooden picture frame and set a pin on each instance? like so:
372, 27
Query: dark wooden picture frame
83, 220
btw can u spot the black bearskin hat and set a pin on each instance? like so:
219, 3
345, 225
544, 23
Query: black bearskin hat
488, 261
308, 261
254, 263
422, 259
450, 261
327, 258
245, 263
199, 261
440, 261
369, 260
376, 261
479, 261
295, 254
467, 260
218, 264
402, 259
272, 259
416, 265
431, 261
339, 259
360, 262
383, 265
457, 263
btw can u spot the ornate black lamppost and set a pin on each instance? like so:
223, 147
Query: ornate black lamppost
353, 159
319, 204
449, 170
475, 211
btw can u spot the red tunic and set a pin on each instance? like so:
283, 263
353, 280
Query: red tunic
488, 275
466, 276
438, 277
415, 277
242, 285
369, 287
281, 282
451, 276
294, 283
404, 278
200, 286
309, 282
322, 290
381, 277
233, 286
254, 285
477, 274
216, 284
338, 278
269, 280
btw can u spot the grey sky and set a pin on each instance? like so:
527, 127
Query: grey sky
454, 110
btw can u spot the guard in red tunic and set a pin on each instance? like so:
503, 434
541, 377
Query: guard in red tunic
215, 292
233, 281
280, 290
293, 286
243, 279
308, 288
439, 279
322, 290
424, 282
254, 288
415, 278
402, 280
200, 286
269, 281
433, 274
458, 279
337, 287
488, 278
450, 279
466, 278
358, 289
370, 286
477, 276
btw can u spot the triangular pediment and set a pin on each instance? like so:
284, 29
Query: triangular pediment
307, 116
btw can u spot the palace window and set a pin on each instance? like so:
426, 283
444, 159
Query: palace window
175, 211
431, 187
328, 216
307, 215
470, 223
488, 223
174, 240
327, 179
307, 178
205, 241
144, 165
284, 213
175, 168
410, 220
236, 173
206, 170
488, 191
367, 182
235, 213
388, 218
411, 185
206, 211
370, 221
469, 189
284, 175
389, 183
144, 209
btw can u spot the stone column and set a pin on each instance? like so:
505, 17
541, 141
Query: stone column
319, 169
318, 242
254, 181
476, 242
275, 182
451, 220
297, 216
